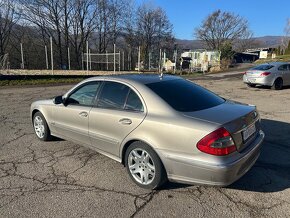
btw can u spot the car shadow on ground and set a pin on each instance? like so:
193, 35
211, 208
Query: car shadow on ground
260, 87
271, 173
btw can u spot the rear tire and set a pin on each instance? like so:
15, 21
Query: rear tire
278, 84
144, 166
41, 128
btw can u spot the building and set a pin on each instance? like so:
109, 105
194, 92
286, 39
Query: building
200, 60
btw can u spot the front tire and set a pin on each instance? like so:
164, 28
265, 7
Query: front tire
144, 166
278, 84
41, 128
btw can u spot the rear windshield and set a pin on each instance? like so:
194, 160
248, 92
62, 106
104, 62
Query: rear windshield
263, 67
185, 96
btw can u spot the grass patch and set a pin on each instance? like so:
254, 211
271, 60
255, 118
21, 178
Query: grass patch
279, 58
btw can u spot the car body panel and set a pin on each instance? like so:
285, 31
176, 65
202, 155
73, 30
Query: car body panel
70, 121
253, 76
108, 128
173, 135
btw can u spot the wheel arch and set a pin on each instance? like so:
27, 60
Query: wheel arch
34, 112
278, 77
43, 112
131, 141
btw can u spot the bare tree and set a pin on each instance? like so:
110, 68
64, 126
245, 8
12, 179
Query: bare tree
220, 27
247, 41
286, 38
82, 25
154, 29
8, 18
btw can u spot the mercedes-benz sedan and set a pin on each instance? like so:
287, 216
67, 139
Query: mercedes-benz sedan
160, 127
275, 75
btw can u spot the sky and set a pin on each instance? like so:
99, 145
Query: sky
266, 17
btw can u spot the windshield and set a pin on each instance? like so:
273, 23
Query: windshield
263, 67
185, 96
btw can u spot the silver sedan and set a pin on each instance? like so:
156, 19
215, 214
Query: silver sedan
275, 74
160, 127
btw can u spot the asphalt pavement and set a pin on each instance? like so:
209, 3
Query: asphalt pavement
63, 179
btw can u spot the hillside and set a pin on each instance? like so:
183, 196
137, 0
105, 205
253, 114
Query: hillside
264, 41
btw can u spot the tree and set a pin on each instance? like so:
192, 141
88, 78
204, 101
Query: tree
287, 50
227, 52
220, 27
153, 30
285, 39
246, 42
8, 18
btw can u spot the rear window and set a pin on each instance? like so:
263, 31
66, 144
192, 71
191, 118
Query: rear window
185, 96
263, 67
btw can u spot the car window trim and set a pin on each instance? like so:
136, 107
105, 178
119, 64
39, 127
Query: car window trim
138, 98
97, 98
283, 66
79, 87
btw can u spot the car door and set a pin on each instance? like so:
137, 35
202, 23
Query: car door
117, 111
283, 72
287, 75
71, 118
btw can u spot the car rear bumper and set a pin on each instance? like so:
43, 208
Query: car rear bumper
185, 170
266, 81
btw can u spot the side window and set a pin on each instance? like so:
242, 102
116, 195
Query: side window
113, 96
133, 102
283, 67
84, 95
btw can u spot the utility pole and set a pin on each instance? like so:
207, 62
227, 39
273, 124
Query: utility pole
83, 67
139, 57
90, 58
51, 55
119, 61
114, 58
87, 57
175, 57
149, 60
46, 56
22, 58
68, 57
159, 67
107, 60
123, 61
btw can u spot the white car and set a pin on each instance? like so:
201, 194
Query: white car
275, 74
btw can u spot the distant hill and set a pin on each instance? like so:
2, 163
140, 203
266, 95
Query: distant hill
264, 41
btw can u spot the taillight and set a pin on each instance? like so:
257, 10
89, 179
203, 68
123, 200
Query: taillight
218, 143
265, 74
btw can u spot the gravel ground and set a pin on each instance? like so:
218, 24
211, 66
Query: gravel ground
62, 179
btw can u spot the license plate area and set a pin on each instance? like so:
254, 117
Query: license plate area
248, 132
252, 80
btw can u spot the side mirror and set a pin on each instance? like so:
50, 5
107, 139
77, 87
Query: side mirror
58, 100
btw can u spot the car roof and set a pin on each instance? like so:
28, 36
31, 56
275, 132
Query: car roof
138, 77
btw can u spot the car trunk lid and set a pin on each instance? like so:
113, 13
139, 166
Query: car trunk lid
239, 119
254, 73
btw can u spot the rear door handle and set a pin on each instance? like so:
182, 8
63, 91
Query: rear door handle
83, 114
125, 121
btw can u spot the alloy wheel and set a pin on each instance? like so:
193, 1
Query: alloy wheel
39, 126
141, 166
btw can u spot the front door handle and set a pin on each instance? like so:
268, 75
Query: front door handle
83, 114
125, 121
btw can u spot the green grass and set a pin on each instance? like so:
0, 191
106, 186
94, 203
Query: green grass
282, 58
48, 81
